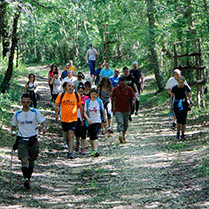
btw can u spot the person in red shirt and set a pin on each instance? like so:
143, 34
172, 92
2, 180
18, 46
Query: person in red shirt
121, 106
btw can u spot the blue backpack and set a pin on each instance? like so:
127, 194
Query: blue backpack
100, 107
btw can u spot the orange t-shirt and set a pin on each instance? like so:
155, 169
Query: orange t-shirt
69, 107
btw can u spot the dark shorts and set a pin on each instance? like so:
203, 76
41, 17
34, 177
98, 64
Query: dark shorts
69, 126
28, 149
94, 130
80, 130
181, 116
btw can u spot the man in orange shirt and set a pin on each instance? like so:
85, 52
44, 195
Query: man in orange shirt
70, 102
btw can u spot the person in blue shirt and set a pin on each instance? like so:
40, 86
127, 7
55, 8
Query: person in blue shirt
106, 71
115, 79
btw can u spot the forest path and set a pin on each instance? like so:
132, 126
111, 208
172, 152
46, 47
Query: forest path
151, 170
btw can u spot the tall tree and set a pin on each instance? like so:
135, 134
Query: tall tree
152, 44
5, 84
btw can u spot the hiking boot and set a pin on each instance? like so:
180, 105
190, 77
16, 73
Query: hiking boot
136, 113
27, 184
173, 126
178, 135
110, 131
120, 139
70, 155
82, 152
130, 118
183, 137
103, 132
96, 154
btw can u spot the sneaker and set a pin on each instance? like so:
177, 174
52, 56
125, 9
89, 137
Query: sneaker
110, 131
130, 118
82, 152
174, 126
76, 149
178, 135
92, 153
27, 184
120, 139
183, 137
96, 154
136, 113
103, 132
70, 155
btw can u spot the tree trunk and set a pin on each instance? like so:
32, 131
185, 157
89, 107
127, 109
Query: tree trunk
152, 45
5, 84
3, 31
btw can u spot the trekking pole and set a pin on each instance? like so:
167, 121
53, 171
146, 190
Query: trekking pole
11, 157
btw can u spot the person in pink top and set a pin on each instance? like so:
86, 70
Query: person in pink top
81, 128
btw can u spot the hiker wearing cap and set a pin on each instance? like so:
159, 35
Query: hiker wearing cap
96, 78
136, 73
121, 106
91, 59
27, 120
169, 85
115, 79
64, 72
69, 78
69, 101
107, 71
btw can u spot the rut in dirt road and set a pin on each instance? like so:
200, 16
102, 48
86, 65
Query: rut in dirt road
151, 170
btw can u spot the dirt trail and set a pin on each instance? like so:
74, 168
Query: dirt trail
151, 170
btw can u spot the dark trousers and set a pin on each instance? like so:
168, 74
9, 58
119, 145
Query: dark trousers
92, 64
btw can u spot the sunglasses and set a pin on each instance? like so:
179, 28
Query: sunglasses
26, 102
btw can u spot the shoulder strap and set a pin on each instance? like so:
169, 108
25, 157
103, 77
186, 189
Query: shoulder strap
63, 93
100, 107
18, 112
76, 94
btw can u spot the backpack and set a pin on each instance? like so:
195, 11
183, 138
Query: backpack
63, 93
100, 107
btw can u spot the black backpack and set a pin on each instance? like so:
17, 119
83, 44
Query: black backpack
63, 93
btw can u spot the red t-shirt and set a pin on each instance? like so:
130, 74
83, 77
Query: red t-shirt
121, 98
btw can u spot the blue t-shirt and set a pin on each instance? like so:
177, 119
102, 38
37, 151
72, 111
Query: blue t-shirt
107, 73
64, 74
114, 80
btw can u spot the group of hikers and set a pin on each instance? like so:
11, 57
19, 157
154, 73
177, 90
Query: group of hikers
83, 109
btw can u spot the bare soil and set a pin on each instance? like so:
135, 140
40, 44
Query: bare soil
151, 170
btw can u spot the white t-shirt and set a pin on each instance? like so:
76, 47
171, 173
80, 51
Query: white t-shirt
56, 85
73, 79
32, 86
94, 111
92, 54
27, 122
173, 82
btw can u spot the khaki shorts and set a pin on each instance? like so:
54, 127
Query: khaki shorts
28, 149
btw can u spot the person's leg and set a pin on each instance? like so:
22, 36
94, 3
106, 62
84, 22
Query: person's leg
93, 66
71, 140
120, 125
90, 66
109, 116
184, 116
178, 130
125, 124
77, 143
94, 138
137, 107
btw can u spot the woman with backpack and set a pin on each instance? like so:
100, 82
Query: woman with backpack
105, 91
31, 89
94, 114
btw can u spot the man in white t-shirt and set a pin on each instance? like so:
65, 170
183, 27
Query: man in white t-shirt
169, 85
27, 120
91, 59
69, 79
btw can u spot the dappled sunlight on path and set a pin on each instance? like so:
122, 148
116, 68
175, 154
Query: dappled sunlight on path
151, 170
